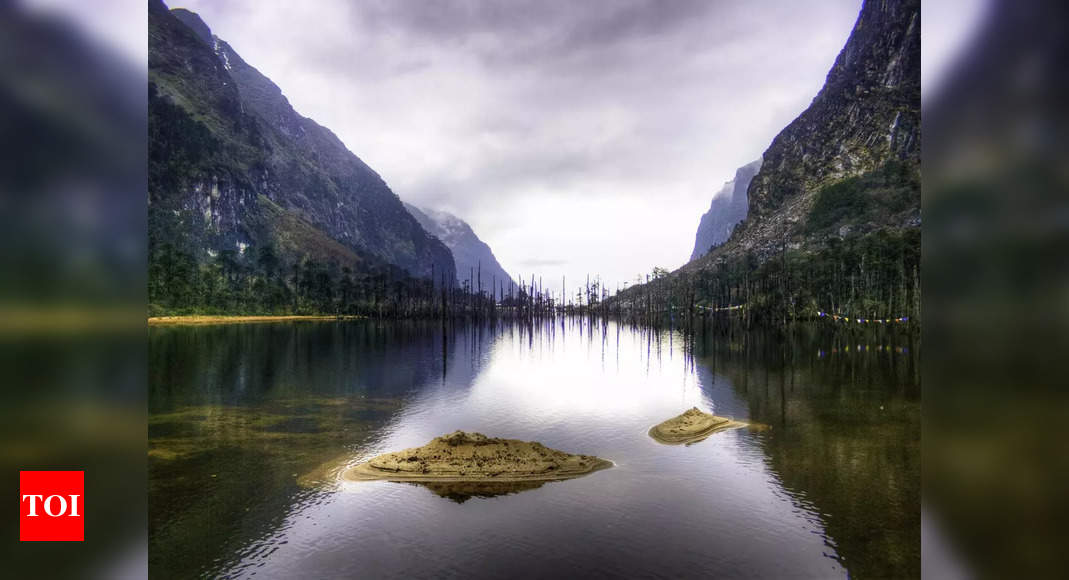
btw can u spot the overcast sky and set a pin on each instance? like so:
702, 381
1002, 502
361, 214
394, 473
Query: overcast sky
574, 137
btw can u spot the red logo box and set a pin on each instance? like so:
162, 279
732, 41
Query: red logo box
51, 506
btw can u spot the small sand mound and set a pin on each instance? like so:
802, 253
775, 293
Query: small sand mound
474, 457
692, 426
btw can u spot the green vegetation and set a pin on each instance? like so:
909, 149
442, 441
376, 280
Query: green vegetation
265, 281
254, 210
875, 275
294, 268
260, 282
180, 143
846, 444
872, 197
869, 269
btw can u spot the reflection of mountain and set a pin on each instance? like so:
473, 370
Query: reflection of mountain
850, 449
251, 363
255, 363
266, 408
720, 394
577, 387
469, 349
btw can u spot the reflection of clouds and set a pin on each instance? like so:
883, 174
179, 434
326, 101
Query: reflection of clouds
579, 390
517, 382
556, 379
459, 354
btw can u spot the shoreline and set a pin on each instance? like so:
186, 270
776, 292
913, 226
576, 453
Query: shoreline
365, 472
204, 319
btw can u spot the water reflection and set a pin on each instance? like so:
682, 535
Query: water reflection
846, 433
461, 492
252, 424
246, 422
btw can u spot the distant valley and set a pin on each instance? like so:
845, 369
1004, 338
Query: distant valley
476, 265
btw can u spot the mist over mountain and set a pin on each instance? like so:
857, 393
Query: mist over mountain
727, 209
474, 259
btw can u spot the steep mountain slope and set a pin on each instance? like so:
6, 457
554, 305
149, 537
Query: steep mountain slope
863, 125
471, 253
727, 209
833, 223
233, 167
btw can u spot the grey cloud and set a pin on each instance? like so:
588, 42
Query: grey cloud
504, 112
566, 36
572, 23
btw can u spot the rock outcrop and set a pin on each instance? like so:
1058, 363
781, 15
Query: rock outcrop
233, 166
475, 260
474, 457
864, 124
727, 209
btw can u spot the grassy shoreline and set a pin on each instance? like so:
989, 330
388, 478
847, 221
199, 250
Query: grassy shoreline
199, 319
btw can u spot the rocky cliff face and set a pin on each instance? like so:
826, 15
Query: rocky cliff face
471, 253
727, 209
232, 165
863, 126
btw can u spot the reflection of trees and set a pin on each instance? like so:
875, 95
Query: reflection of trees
239, 412
243, 364
845, 437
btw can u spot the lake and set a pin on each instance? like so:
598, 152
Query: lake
251, 425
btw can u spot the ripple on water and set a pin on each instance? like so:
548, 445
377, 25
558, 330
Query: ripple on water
740, 503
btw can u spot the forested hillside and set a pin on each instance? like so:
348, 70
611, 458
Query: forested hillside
256, 209
833, 224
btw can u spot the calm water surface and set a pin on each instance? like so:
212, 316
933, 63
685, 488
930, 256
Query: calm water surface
250, 426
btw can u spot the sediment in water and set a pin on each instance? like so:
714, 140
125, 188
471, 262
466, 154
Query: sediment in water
473, 458
692, 426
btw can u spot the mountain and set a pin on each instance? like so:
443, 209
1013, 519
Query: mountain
234, 171
850, 163
727, 209
833, 214
471, 253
